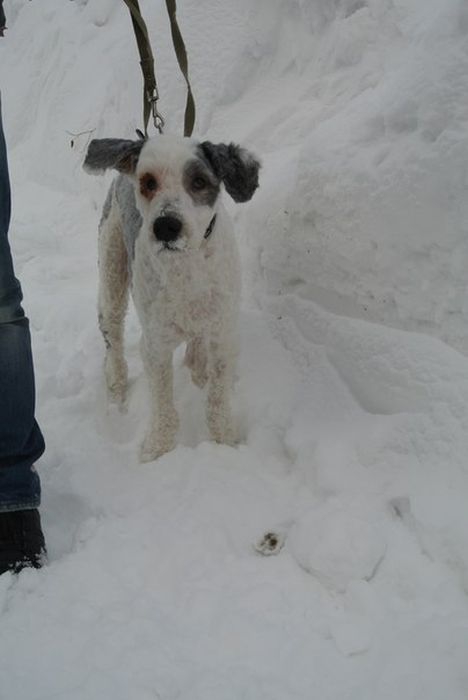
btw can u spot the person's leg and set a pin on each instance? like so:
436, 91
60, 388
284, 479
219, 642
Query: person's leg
21, 441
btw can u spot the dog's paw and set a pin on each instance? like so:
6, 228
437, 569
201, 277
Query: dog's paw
224, 437
153, 446
270, 543
222, 430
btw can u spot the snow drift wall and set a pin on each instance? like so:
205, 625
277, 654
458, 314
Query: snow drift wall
357, 107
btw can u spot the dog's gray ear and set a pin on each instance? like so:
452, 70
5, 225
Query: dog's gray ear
236, 167
120, 154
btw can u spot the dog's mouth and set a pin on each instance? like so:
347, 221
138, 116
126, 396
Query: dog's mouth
171, 247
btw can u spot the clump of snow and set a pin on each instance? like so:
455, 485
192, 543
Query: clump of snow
353, 409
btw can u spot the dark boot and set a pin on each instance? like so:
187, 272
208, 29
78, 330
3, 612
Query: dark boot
21, 540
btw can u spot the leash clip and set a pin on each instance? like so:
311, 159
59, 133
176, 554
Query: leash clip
158, 119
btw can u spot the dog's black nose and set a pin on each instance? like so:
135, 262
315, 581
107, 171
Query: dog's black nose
167, 228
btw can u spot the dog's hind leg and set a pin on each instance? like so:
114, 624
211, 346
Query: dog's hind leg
196, 360
113, 302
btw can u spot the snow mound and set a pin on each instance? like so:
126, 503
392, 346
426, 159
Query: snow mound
338, 544
352, 407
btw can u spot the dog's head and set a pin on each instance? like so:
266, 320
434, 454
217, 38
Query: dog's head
177, 182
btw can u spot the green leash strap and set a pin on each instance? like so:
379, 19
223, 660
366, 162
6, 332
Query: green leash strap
181, 53
150, 88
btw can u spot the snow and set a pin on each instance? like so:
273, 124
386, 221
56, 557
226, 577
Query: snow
352, 395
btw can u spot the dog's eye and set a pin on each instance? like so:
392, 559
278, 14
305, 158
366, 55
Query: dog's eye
199, 183
148, 184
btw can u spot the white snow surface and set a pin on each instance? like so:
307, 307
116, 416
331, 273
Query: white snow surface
352, 394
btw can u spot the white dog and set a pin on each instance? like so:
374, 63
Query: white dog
165, 234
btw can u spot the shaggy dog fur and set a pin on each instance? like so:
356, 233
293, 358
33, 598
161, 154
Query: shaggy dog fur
166, 235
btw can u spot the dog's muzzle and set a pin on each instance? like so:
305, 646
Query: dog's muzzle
167, 228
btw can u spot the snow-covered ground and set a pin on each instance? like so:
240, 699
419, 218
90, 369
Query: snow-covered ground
352, 395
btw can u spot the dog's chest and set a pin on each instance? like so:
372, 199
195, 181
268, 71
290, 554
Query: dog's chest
177, 298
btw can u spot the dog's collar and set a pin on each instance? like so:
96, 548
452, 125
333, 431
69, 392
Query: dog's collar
210, 228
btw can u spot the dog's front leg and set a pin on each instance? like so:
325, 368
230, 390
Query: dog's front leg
112, 304
220, 381
164, 421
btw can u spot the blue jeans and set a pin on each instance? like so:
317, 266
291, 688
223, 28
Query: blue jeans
21, 441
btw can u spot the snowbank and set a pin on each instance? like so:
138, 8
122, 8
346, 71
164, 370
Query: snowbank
354, 416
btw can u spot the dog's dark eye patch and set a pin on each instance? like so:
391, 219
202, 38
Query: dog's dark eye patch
201, 184
148, 185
